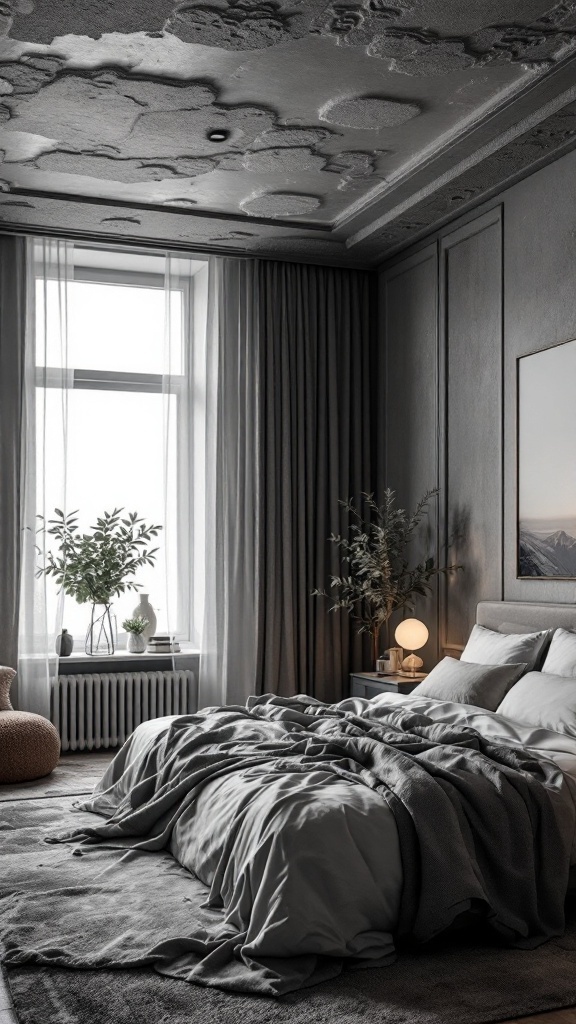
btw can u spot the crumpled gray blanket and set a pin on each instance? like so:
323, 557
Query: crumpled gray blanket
257, 802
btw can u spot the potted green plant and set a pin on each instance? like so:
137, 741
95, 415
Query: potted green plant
380, 579
135, 628
98, 565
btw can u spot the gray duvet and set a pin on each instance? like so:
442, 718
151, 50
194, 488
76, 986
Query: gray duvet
325, 833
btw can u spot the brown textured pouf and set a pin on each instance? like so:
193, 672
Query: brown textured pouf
29, 746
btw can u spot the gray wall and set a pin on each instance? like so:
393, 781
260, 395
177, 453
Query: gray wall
456, 313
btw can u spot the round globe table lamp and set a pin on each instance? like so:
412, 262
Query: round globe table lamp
411, 635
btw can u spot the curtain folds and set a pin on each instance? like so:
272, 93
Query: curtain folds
315, 337
48, 455
47, 381
12, 349
288, 435
229, 651
183, 442
266, 387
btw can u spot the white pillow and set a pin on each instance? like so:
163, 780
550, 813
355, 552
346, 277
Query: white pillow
561, 657
488, 647
543, 700
483, 686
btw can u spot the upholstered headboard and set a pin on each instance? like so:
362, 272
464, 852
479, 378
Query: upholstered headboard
494, 614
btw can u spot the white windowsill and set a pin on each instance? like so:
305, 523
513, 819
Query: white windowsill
81, 656
128, 655
84, 659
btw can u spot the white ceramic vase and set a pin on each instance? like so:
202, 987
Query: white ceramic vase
136, 643
146, 611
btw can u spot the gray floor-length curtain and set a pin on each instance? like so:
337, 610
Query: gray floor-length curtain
316, 373
12, 330
289, 435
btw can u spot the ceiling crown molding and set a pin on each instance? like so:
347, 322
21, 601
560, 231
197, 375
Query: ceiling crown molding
334, 131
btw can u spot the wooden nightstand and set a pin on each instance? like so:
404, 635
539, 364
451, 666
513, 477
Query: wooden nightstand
368, 684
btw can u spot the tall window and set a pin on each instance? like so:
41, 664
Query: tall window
129, 416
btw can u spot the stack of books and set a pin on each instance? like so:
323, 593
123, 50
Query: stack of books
162, 643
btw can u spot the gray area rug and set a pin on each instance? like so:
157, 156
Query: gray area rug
457, 980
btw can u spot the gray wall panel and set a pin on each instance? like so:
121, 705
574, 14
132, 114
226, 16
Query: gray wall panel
472, 420
409, 294
506, 286
540, 311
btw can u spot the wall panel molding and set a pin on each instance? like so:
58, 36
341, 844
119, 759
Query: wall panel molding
470, 415
409, 293
540, 312
505, 288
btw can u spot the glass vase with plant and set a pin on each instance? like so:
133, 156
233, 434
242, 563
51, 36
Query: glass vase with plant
380, 578
96, 566
135, 628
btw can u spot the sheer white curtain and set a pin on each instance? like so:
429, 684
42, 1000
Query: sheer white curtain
230, 645
183, 469
173, 469
43, 467
263, 366
12, 351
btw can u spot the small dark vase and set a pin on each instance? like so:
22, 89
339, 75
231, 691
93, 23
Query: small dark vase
64, 644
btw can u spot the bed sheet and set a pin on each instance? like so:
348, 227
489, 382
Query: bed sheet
556, 746
310, 816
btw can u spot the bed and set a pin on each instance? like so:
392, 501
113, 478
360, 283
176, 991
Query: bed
326, 836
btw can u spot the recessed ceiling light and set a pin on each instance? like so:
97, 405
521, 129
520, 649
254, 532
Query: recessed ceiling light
218, 135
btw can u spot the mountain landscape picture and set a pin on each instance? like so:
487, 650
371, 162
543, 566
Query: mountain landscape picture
545, 551
547, 463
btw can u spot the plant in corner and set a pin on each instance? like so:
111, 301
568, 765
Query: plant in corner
135, 628
96, 566
380, 578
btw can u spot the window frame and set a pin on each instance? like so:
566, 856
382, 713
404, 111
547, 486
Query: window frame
179, 385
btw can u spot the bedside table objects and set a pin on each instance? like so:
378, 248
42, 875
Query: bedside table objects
369, 684
411, 634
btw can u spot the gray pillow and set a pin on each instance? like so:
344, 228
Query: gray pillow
542, 700
561, 657
489, 647
484, 686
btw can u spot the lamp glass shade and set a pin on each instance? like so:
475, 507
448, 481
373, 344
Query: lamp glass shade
411, 634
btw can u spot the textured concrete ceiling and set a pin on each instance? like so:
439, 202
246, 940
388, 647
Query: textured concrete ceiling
331, 130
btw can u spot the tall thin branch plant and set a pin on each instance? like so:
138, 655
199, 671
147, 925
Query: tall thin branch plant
378, 577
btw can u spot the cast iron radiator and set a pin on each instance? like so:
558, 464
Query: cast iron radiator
93, 711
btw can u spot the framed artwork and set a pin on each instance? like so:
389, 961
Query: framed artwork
547, 463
